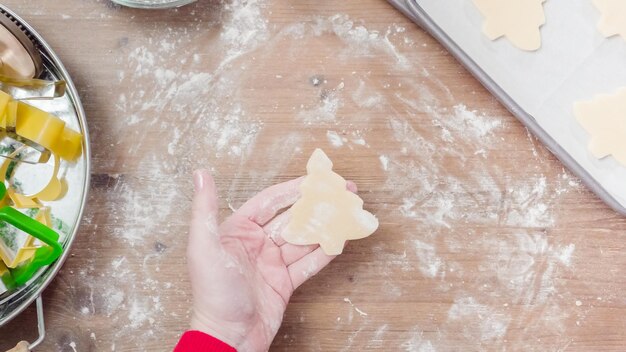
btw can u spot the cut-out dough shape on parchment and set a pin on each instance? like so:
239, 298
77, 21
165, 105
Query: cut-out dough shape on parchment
604, 118
517, 20
613, 19
327, 213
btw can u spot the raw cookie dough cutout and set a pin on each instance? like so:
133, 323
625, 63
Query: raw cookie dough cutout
327, 214
604, 118
613, 19
518, 20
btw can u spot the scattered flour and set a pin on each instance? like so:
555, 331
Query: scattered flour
480, 322
377, 340
430, 263
326, 109
417, 343
197, 111
384, 162
367, 98
436, 162
335, 139
360, 41
472, 123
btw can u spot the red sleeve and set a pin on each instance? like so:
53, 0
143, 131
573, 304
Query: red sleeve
196, 341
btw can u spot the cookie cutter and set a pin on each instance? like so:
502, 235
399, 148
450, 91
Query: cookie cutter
54, 189
8, 122
43, 129
38, 129
6, 279
32, 88
25, 89
32, 257
29, 249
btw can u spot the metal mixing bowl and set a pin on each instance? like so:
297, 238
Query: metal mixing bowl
154, 4
71, 110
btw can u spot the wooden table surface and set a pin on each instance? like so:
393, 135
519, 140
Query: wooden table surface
486, 243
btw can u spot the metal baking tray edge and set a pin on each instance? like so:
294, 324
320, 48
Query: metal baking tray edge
413, 10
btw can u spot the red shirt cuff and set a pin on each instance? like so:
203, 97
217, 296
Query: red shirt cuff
196, 341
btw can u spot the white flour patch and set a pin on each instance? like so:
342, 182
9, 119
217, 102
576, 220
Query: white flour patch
244, 29
395, 260
360, 41
480, 322
417, 343
377, 340
384, 162
114, 299
565, 254
526, 265
472, 123
335, 139
137, 315
326, 109
367, 98
527, 205
430, 263
351, 339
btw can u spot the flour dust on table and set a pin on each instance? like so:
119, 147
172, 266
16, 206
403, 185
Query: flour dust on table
469, 252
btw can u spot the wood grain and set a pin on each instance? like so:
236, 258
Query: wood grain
486, 242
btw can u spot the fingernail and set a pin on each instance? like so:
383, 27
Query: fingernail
198, 180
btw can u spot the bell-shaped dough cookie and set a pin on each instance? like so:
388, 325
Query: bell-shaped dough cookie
604, 118
327, 213
613, 19
517, 20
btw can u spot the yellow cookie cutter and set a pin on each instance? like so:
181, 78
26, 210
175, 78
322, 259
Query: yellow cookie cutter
8, 122
39, 129
53, 190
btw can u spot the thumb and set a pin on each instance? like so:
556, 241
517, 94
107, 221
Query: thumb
204, 229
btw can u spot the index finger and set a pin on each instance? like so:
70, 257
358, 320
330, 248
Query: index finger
264, 206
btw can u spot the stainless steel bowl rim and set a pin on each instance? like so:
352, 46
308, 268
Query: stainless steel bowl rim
165, 5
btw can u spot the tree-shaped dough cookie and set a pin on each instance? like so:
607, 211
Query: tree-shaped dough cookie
327, 213
518, 20
604, 118
613, 19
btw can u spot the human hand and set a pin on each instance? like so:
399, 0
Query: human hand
242, 271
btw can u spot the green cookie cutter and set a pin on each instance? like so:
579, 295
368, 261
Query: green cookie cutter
44, 255
6, 279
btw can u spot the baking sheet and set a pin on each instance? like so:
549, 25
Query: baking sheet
574, 63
